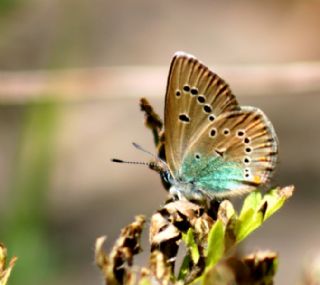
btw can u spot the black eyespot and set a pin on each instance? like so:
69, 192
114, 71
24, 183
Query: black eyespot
226, 132
246, 140
213, 132
248, 149
178, 93
184, 118
186, 88
197, 156
211, 118
247, 175
207, 108
220, 152
194, 91
256, 117
246, 160
240, 133
201, 99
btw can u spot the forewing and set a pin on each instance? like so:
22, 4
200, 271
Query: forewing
195, 97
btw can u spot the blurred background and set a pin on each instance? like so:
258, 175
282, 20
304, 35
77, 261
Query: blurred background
71, 75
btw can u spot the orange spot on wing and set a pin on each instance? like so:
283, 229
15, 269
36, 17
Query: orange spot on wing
257, 179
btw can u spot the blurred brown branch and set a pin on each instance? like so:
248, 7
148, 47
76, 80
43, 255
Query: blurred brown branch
125, 82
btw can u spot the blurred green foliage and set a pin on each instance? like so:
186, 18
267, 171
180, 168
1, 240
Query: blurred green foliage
25, 231
8, 5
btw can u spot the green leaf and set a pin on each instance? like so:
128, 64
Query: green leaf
192, 245
247, 223
215, 249
145, 281
275, 199
184, 269
252, 201
256, 210
198, 280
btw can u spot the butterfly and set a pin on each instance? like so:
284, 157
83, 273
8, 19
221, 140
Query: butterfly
214, 148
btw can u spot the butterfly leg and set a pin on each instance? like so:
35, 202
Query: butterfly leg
176, 193
188, 192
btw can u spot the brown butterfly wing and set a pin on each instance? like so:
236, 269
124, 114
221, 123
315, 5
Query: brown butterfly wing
195, 96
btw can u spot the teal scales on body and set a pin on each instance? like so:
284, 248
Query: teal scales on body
211, 173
